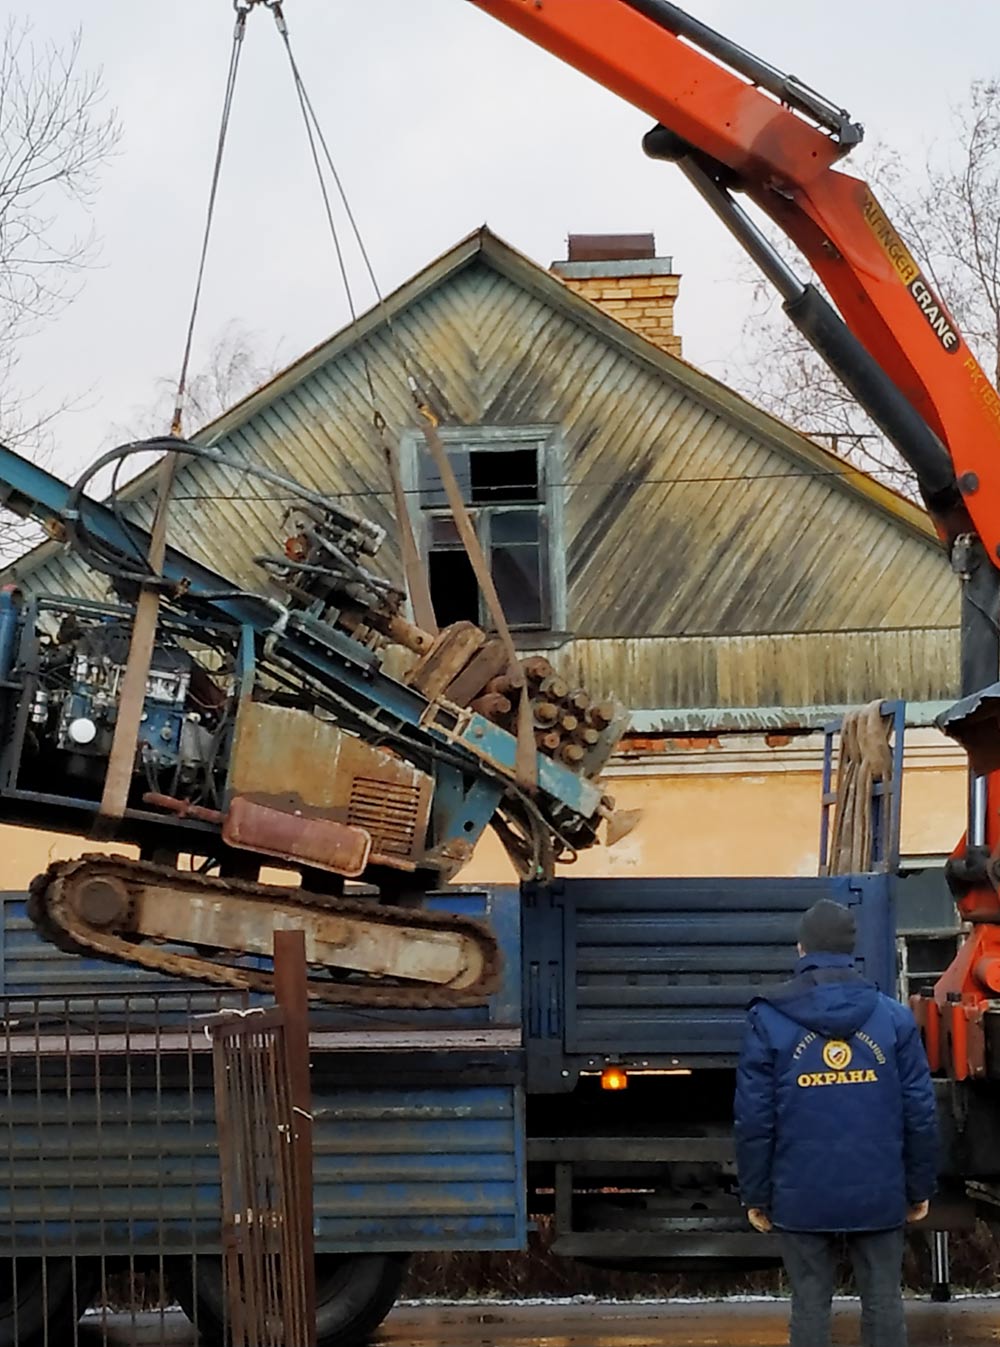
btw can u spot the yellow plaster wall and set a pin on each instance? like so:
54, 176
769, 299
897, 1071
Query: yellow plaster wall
743, 822
25, 852
697, 819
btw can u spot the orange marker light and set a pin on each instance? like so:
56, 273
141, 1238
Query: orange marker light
614, 1078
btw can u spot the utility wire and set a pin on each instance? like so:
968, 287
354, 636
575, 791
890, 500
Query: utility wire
318, 142
581, 482
313, 132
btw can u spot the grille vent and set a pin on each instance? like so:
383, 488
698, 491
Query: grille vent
389, 811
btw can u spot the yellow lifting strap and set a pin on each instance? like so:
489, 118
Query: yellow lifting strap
121, 761
525, 759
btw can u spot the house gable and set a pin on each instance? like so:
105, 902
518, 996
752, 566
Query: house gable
688, 516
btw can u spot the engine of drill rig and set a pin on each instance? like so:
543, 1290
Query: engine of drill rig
79, 670
78, 653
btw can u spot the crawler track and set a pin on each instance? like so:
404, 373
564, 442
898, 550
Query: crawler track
54, 908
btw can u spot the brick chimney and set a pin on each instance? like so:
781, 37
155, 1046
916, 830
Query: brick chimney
622, 275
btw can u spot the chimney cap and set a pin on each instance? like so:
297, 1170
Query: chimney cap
611, 247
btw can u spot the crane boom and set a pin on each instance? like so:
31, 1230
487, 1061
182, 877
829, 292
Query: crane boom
737, 125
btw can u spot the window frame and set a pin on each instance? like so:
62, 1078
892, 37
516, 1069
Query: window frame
549, 507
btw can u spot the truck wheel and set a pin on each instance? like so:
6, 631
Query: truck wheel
40, 1301
354, 1293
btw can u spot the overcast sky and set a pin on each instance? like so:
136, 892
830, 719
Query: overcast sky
440, 119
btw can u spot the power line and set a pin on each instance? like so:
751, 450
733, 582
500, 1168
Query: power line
582, 482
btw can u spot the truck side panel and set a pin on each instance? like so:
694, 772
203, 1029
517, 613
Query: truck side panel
129, 1166
108, 1140
658, 972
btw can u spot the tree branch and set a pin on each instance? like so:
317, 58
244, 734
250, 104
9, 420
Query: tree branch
951, 221
56, 137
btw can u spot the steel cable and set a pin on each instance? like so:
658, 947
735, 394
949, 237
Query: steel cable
227, 108
415, 575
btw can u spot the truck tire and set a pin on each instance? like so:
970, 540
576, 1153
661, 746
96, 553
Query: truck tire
41, 1300
354, 1293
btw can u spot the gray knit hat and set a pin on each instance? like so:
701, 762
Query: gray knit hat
828, 928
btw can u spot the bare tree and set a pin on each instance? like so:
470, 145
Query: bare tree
235, 365
55, 137
948, 211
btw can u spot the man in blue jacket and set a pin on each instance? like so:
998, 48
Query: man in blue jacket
836, 1130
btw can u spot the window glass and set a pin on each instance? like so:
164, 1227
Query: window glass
517, 576
432, 494
514, 526
503, 480
444, 531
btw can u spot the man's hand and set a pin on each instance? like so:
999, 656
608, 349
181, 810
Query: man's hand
762, 1222
918, 1212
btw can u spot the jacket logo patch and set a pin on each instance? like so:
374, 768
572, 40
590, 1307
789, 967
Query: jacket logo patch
837, 1055
810, 1078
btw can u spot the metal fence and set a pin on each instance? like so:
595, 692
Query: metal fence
266, 1240
109, 1171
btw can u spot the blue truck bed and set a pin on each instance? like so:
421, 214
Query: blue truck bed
421, 1128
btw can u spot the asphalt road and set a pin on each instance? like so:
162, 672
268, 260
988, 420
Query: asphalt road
965, 1323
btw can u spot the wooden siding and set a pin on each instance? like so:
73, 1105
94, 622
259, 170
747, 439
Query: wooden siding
712, 557
798, 669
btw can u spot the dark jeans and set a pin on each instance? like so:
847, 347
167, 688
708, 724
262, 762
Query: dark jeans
811, 1263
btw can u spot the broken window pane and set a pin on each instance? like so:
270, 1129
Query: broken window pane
498, 475
454, 592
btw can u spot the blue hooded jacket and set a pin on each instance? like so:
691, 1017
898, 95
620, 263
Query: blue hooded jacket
836, 1124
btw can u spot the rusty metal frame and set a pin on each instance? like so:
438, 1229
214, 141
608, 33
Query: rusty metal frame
262, 1232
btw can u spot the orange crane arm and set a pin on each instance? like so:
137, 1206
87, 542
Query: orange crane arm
743, 126
735, 124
